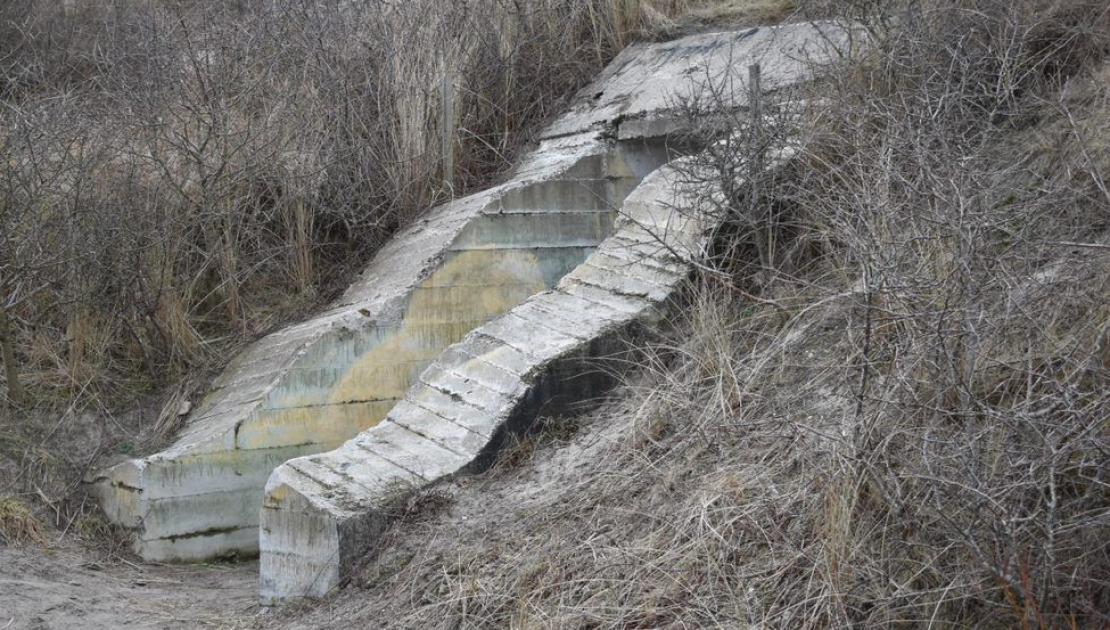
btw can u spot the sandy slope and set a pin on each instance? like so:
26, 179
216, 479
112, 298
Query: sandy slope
69, 588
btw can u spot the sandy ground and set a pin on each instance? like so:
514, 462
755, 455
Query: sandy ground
472, 517
69, 588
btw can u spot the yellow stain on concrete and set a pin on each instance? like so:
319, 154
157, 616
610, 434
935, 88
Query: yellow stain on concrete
310, 425
276, 496
471, 287
440, 313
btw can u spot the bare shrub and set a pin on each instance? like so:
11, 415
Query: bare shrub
179, 177
924, 371
886, 402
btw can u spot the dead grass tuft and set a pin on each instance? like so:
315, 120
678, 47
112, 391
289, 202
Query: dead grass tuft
748, 12
18, 525
107, 540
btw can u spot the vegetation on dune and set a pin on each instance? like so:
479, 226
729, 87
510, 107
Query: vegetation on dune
179, 177
886, 402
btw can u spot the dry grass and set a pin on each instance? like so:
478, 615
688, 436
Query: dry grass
177, 178
745, 11
18, 525
888, 404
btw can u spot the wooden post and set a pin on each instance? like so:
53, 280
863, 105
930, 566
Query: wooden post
755, 110
7, 350
447, 131
755, 172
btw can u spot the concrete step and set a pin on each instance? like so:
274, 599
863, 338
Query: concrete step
534, 230
569, 195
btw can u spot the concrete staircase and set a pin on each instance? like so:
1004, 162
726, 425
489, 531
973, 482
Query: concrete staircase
492, 310
312, 386
322, 513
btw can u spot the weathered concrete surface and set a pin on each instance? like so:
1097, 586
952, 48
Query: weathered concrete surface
322, 513
643, 88
311, 386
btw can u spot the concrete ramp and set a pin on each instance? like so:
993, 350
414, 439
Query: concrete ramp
322, 513
312, 386
470, 265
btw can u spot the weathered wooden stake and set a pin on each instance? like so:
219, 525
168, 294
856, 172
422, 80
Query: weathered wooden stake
7, 349
447, 131
755, 109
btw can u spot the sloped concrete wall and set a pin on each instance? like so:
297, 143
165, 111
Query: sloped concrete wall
312, 386
323, 513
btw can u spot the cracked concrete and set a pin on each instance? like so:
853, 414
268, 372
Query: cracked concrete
323, 513
490, 310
